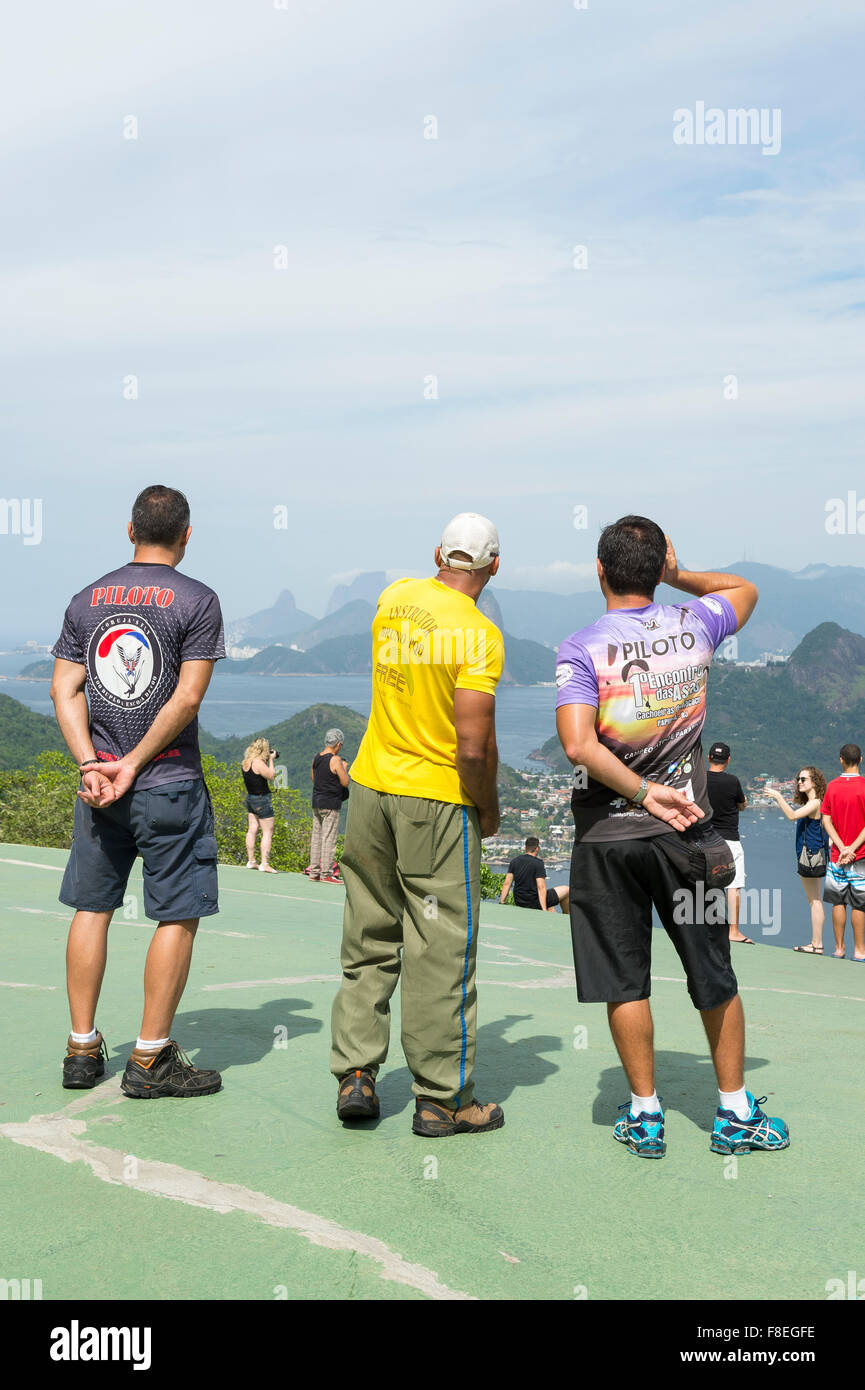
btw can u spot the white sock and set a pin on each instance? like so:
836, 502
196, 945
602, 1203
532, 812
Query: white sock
84, 1037
150, 1044
737, 1101
650, 1105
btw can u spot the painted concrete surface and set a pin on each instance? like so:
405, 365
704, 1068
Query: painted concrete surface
259, 1192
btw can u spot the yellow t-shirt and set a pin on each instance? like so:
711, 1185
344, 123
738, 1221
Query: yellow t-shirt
428, 640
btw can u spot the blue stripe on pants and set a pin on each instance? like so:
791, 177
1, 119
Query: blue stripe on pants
468, 944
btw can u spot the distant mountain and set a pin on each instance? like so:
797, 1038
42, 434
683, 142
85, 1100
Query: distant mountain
792, 603
526, 662
339, 656
780, 717
297, 740
830, 663
37, 670
348, 621
366, 587
543, 617
281, 623
25, 734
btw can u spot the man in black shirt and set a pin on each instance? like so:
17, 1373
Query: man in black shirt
132, 664
528, 875
728, 799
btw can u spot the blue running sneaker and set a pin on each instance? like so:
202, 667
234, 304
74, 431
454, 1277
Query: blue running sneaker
731, 1135
643, 1134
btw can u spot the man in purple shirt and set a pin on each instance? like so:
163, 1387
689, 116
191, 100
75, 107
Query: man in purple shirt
141, 642
630, 710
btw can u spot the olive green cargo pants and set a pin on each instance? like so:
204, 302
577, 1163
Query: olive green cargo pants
412, 887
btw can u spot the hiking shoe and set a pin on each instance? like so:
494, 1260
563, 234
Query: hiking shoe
84, 1063
730, 1135
436, 1121
643, 1134
168, 1072
356, 1099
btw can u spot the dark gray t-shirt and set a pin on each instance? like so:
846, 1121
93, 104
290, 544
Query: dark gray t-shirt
132, 629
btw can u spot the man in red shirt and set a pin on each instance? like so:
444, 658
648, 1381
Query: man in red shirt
844, 821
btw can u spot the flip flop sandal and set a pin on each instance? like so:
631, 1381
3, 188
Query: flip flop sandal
742, 941
809, 950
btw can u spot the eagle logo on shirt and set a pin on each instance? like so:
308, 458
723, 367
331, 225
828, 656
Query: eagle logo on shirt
124, 661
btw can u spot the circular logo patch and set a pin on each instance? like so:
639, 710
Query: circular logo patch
124, 661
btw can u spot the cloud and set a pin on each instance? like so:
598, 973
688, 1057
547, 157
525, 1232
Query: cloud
558, 577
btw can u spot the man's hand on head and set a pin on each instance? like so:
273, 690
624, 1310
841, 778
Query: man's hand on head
671, 564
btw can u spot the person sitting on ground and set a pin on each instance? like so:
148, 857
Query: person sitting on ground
812, 846
258, 773
528, 875
329, 775
844, 822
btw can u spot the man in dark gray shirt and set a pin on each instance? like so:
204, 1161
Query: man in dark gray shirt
141, 642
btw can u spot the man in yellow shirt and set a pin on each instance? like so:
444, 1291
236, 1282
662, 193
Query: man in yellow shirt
423, 796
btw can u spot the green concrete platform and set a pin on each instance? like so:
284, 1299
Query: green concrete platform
260, 1193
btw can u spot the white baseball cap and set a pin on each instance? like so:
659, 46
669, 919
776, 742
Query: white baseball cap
474, 535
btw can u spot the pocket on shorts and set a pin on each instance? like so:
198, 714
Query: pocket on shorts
204, 870
416, 837
167, 809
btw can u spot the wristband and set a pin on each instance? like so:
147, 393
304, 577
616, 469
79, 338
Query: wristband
87, 762
640, 794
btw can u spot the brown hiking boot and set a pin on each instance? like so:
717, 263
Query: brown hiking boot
436, 1121
357, 1099
84, 1063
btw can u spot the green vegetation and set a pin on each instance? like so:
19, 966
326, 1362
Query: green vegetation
37, 806
25, 734
491, 883
37, 803
291, 824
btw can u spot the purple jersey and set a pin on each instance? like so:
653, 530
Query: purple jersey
645, 671
131, 630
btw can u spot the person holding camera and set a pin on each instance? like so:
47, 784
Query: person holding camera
258, 773
812, 845
329, 775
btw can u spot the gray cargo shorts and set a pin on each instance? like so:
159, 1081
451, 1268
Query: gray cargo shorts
171, 827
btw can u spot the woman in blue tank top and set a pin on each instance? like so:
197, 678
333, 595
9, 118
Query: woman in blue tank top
812, 846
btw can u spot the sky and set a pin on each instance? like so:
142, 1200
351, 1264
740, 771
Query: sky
282, 294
